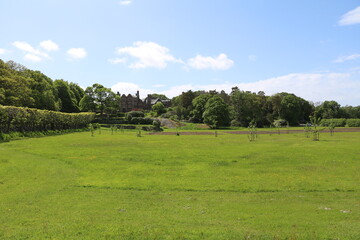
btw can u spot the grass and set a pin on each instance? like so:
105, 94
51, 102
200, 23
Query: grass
121, 186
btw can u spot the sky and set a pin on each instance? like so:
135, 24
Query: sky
309, 48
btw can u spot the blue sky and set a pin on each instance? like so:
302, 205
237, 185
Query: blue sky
310, 48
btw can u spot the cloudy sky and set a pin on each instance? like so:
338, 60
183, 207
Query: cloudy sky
310, 48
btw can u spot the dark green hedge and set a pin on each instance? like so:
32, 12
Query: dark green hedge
341, 122
112, 120
19, 119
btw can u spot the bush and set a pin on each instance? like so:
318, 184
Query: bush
114, 120
141, 120
20, 119
235, 123
133, 114
338, 122
353, 122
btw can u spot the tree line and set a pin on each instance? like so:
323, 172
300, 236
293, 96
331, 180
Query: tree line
23, 87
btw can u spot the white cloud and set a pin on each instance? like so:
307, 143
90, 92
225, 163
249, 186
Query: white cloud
76, 53
32, 57
252, 58
221, 62
148, 54
32, 54
347, 58
159, 85
117, 60
49, 45
351, 17
3, 51
126, 88
125, 2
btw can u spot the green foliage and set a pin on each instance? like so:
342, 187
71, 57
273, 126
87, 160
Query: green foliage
252, 136
130, 115
15, 88
216, 112
159, 108
329, 109
248, 106
141, 120
315, 121
353, 122
337, 122
18, 119
68, 101
157, 125
331, 128
199, 104
159, 96
92, 129
235, 123
100, 99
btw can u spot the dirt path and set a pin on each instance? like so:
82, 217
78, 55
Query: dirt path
258, 132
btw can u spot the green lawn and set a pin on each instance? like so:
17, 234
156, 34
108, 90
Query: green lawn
120, 186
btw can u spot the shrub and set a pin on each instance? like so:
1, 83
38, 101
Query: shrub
114, 120
20, 119
141, 120
337, 122
235, 123
133, 114
354, 122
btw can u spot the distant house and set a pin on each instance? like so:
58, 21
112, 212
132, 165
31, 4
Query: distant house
131, 103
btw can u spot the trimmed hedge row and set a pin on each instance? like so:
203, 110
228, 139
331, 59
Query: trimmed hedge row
20, 119
341, 122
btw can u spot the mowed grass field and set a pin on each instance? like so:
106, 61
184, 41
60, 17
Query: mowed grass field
120, 186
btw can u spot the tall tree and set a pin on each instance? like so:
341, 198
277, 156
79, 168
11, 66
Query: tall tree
14, 87
199, 104
98, 98
216, 112
68, 102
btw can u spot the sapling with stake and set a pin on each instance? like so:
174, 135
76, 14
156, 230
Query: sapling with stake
92, 129
252, 132
98, 126
307, 130
112, 128
315, 121
331, 128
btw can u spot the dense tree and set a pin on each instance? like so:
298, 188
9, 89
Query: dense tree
68, 101
216, 112
199, 107
329, 109
98, 98
248, 107
43, 91
14, 87
159, 96
76, 92
350, 112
